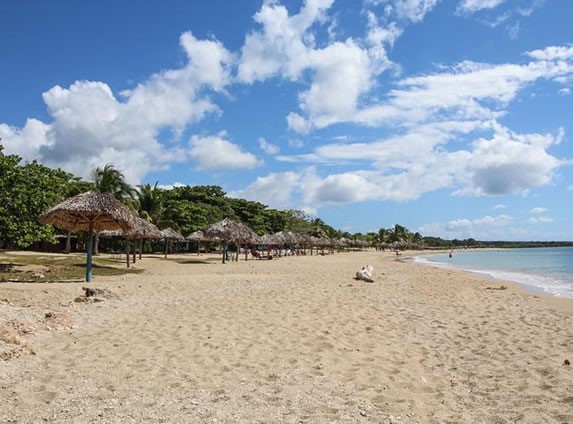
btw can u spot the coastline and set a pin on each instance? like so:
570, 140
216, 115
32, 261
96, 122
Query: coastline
533, 282
291, 340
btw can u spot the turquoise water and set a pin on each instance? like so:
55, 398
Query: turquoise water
545, 269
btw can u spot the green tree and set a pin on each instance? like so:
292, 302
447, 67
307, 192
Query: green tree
26, 191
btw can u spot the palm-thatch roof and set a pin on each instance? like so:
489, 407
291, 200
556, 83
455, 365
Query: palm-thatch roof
227, 229
171, 234
286, 237
268, 239
142, 229
100, 211
196, 235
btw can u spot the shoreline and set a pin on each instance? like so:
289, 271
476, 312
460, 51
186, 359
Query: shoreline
490, 273
291, 340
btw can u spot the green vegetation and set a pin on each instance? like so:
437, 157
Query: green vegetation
56, 268
29, 189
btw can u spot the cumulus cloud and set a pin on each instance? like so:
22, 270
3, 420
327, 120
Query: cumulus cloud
511, 163
215, 152
340, 72
282, 45
90, 126
275, 190
406, 166
564, 91
297, 123
269, 148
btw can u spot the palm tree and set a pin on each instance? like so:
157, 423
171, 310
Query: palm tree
110, 180
398, 234
382, 236
150, 202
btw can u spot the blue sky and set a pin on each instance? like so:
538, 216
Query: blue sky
451, 117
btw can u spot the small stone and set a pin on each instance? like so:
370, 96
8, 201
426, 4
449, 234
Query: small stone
566, 362
363, 413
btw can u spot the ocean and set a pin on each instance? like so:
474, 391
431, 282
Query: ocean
549, 270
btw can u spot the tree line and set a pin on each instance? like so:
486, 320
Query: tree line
29, 189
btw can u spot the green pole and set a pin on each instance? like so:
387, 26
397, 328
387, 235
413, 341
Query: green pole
90, 253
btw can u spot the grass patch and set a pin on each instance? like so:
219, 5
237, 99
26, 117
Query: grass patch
39, 268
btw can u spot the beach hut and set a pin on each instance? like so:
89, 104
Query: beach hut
169, 234
90, 212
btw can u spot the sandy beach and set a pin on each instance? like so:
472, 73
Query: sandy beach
293, 340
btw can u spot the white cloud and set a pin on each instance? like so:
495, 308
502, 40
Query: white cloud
538, 211
406, 166
472, 6
510, 163
215, 152
297, 123
485, 228
171, 186
90, 126
564, 91
275, 190
500, 206
267, 147
295, 142
281, 46
338, 73
413, 10
540, 220
553, 53
26, 141
513, 30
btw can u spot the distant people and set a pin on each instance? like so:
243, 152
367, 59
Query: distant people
450, 254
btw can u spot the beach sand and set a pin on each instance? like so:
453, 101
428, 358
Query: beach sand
293, 340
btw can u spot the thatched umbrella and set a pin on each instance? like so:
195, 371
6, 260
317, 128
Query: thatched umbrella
269, 240
90, 212
229, 230
198, 236
143, 230
140, 231
170, 234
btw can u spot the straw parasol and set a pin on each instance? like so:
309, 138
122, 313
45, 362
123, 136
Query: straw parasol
229, 230
140, 231
170, 234
197, 236
90, 212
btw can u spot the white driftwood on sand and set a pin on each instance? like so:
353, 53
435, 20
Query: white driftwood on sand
365, 273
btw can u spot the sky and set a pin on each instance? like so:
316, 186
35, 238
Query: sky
450, 117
